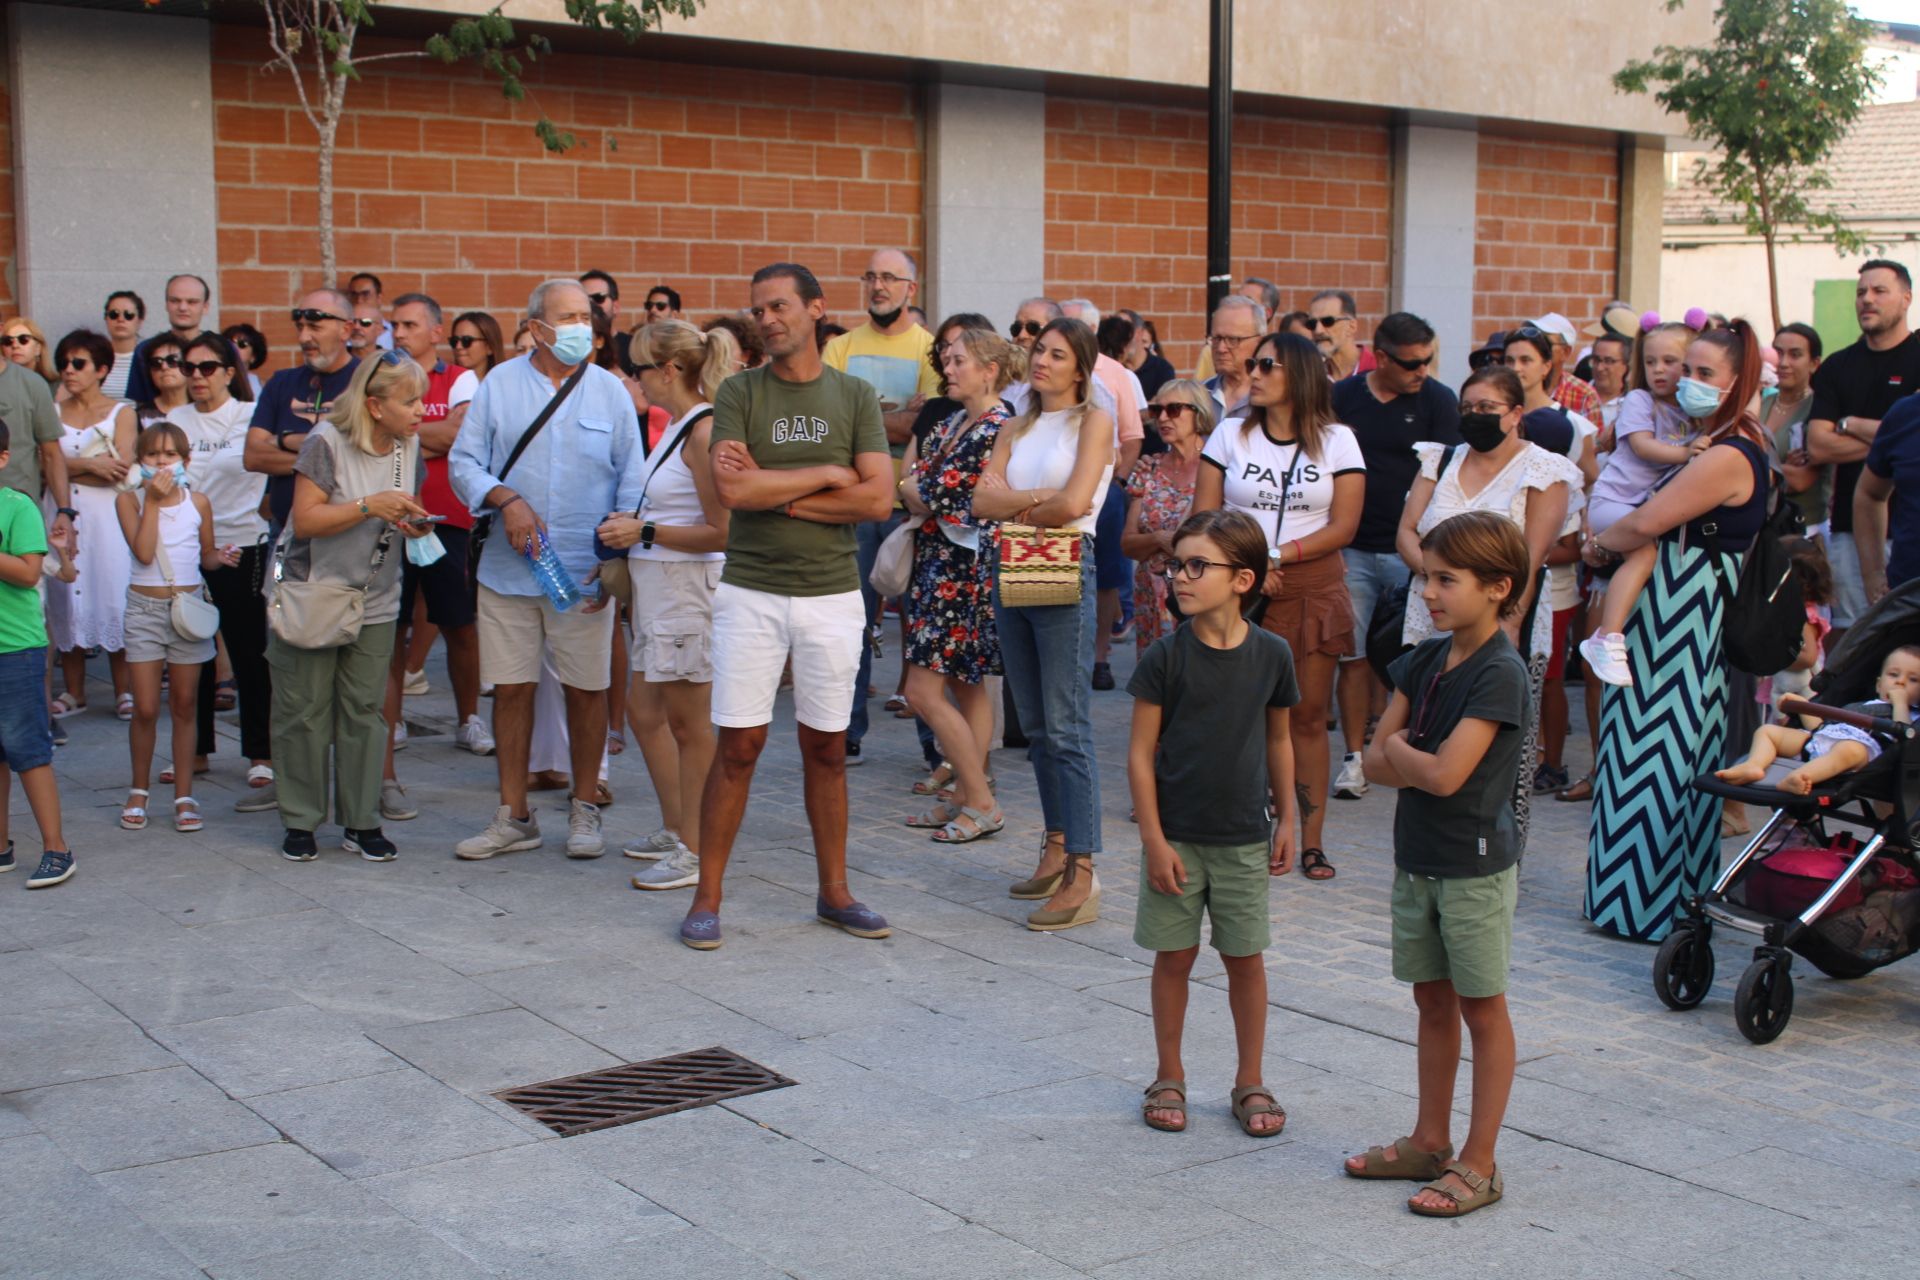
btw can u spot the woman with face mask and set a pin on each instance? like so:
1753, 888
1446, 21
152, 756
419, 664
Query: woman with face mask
1498, 470
1655, 840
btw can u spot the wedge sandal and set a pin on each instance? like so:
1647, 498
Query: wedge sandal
1483, 1192
1407, 1162
1148, 1106
1244, 1111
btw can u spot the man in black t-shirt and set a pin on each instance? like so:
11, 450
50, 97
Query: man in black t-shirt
295, 399
1390, 409
1852, 391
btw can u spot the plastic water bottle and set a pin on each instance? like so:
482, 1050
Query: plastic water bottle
551, 574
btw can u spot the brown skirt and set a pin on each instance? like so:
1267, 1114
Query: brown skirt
1313, 612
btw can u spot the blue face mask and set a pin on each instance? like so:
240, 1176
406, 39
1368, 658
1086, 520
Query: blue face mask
1697, 399
572, 343
422, 552
179, 470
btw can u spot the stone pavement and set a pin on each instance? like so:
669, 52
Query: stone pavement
215, 1062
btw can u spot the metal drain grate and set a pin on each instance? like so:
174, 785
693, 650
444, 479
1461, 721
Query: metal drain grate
642, 1090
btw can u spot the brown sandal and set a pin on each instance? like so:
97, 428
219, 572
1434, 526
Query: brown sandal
1407, 1162
1484, 1191
1245, 1111
1148, 1106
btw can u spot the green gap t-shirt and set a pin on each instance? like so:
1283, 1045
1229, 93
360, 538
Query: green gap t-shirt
786, 425
23, 532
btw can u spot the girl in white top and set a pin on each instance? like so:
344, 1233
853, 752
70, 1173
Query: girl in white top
1050, 468
170, 532
676, 543
1301, 476
90, 611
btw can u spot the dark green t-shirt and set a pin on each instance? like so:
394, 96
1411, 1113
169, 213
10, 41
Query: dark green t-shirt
1211, 766
1474, 831
26, 406
786, 425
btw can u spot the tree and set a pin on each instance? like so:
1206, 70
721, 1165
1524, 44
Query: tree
1774, 93
313, 41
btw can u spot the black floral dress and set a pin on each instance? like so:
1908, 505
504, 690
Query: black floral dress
950, 626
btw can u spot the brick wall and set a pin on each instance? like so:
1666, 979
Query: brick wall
683, 175
1127, 212
1548, 231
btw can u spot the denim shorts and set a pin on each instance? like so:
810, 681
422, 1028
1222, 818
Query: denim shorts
1112, 569
1370, 575
26, 733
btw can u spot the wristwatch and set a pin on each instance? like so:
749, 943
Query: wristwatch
1840, 427
646, 535
68, 512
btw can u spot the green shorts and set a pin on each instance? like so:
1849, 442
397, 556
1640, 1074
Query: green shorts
1455, 929
1226, 881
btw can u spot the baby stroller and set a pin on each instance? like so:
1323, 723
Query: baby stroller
1862, 909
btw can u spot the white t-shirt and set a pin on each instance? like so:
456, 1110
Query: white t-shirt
217, 469
462, 389
1255, 470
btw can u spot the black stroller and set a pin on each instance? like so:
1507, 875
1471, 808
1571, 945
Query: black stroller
1866, 915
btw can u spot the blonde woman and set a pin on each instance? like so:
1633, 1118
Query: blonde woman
1049, 467
676, 543
355, 502
1159, 496
27, 347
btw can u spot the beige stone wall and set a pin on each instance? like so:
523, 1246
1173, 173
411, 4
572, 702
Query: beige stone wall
1546, 62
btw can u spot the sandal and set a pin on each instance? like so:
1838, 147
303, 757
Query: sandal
186, 814
134, 817
616, 743
64, 705
940, 815
1245, 1111
1581, 790
260, 775
1148, 1106
898, 705
984, 825
166, 774
935, 782
602, 797
1484, 1191
1407, 1162
947, 793
1313, 861
226, 695
123, 706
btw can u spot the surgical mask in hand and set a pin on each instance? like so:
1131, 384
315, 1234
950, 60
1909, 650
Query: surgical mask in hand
1697, 399
179, 470
422, 552
572, 343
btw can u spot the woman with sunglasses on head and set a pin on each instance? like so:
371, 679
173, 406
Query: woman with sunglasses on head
1159, 496
216, 418
165, 370
90, 612
1301, 475
27, 346
125, 312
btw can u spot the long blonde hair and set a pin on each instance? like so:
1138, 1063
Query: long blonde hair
43, 366
707, 358
1086, 352
391, 375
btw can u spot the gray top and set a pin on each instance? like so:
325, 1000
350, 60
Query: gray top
347, 474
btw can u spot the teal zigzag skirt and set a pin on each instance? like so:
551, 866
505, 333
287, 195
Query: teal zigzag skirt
1654, 840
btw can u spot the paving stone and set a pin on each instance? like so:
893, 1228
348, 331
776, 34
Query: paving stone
82, 1042
398, 1250
29, 982
1247, 1252
208, 897
381, 1124
492, 1051
61, 1222
946, 1056
182, 980
274, 1049
962, 1253
143, 1118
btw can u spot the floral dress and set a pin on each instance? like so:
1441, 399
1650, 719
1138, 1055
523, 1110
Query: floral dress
950, 626
1165, 497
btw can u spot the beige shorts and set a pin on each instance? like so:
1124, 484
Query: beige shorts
673, 619
150, 634
515, 629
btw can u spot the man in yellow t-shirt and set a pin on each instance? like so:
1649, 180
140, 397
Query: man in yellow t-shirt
891, 353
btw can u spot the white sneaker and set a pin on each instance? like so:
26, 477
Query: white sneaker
583, 831
1606, 656
415, 685
678, 870
1352, 782
474, 737
400, 736
505, 834
394, 805
652, 848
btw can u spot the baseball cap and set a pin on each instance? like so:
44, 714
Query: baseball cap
1559, 326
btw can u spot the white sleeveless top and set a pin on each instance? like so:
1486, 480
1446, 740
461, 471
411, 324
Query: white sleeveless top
671, 498
180, 535
1043, 459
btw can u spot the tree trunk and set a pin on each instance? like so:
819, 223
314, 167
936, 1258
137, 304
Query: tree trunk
1768, 232
324, 160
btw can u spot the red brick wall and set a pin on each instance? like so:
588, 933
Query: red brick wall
682, 175
1548, 231
1127, 212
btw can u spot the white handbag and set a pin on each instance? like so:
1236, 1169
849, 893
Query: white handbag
193, 616
893, 563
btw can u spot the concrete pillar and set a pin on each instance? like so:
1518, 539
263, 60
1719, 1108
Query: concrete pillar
113, 156
1435, 186
1643, 187
986, 184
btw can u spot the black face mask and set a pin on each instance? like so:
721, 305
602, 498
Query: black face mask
885, 319
1482, 431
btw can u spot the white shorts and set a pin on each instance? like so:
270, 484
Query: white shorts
673, 619
754, 632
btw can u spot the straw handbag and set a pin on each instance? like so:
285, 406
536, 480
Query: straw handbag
1039, 566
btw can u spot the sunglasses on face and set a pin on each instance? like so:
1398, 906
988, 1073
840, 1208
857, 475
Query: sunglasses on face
1171, 412
662, 305
1192, 569
76, 363
1029, 327
112, 314
1411, 366
164, 362
17, 339
366, 322
1324, 322
635, 370
307, 317
465, 340
1262, 364
204, 368
598, 298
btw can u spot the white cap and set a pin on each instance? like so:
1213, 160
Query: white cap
1559, 326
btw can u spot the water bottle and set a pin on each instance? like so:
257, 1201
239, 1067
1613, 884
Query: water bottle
551, 574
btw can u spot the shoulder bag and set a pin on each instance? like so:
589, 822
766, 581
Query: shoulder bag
892, 571
477, 540
191, 614
1257, 601
325, 615
615, 577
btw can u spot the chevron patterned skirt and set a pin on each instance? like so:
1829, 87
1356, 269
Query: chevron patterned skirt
1655, 840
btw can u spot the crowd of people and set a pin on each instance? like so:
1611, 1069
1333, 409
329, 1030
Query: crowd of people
653, 529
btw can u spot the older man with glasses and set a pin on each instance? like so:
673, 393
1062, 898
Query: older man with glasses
296, 398
1238, 325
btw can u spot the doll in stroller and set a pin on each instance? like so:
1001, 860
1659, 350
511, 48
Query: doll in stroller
1805, 884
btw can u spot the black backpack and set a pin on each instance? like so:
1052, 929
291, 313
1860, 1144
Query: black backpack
1764, 616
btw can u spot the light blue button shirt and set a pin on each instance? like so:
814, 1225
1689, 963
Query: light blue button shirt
585, 462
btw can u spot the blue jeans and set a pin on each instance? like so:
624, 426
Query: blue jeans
1048, 654
867, 539
26, 732
1371, 575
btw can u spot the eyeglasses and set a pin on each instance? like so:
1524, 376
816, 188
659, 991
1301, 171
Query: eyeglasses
662, 305
886, 278
1192, 569
76, 363
307, 317
1493, 407
366, 322
465, 340
1411, 366
1324, 322
1031, 328
1229, 339
1169, 411
597, 298
1262, 364
204, 368
164, 362
16, 339
115, 314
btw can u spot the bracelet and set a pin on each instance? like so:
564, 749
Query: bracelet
1299, 552
68, 512
363, 509
501, 509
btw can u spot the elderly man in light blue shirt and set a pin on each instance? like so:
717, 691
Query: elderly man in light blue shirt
585, 462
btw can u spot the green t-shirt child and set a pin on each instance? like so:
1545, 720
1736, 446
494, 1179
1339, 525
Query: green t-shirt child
23, 532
